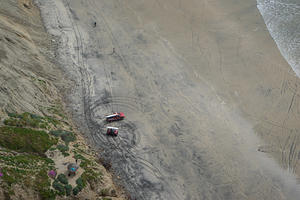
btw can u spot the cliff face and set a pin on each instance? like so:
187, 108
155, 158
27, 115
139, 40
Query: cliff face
36, 135
27, 60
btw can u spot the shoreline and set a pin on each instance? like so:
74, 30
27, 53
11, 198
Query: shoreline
286, 42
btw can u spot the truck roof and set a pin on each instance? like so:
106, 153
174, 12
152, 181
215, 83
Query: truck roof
110, 127
112, 115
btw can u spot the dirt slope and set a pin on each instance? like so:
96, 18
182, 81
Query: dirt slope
26, 59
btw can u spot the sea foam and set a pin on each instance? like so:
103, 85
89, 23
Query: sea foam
282, 18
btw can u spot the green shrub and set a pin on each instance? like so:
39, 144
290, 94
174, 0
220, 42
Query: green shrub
14, 115
63, 149
66, 154
47, 194
43, 126
24, 115
33, 123
66, 136
56, 109
52, 121
104, 192
90, 176
52, 149
25, 119
68, 189
42, 185
11, 122
34, 116
76, 190
62, 178
56, 133
28, 119
59, 187
27, 161
76, 145
25, 140
79, 156
11, 176
80, 183
84, 162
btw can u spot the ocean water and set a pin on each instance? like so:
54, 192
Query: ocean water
282, 18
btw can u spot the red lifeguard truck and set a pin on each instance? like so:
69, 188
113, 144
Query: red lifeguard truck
113, 131
115, 117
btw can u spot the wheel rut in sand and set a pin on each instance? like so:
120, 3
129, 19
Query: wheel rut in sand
182, 137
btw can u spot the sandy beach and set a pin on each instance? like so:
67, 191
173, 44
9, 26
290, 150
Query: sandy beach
212, 108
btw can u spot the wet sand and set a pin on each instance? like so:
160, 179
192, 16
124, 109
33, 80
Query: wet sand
202, 85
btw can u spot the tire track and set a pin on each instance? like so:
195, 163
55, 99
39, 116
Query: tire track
85, 77
126, 66
126, 153
122, 146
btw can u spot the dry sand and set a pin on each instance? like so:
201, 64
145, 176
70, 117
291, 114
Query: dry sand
31, 81
201, 83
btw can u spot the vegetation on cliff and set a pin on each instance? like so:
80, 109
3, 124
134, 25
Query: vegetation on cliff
36, 135
25, 160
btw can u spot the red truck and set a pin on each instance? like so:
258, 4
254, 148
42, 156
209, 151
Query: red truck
113, 131
115, 117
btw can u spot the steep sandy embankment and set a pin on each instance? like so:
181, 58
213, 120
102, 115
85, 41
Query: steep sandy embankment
27, 60
31, 107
